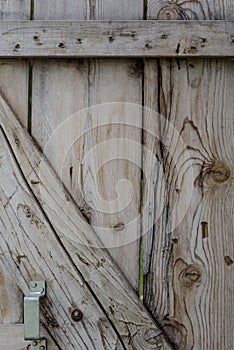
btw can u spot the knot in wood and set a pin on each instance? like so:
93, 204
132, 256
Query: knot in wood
171, 13
119, 227
214, 174
220, 173
175, 332
191, 276
228, 260
152, 336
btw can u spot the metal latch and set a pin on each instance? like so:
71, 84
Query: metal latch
32, 315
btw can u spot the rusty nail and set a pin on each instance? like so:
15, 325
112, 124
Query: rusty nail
77, 315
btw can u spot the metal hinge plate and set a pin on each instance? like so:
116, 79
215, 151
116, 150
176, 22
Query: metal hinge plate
32, 315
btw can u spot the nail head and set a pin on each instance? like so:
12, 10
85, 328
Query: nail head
77, 315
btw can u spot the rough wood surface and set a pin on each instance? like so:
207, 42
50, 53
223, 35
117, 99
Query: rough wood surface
188, 253
14, 87
25, 231
94, 82
190, 10
15, 9
116, 38
12, 338
86, 10
70, 241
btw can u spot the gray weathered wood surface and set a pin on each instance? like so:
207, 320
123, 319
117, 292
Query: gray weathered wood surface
25, 231
116, 38
60, 247
12, 338
14, 87
188, 267
62, 88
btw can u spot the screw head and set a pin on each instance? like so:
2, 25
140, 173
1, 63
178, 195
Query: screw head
34, 343
33, 284
42, 347
77, 315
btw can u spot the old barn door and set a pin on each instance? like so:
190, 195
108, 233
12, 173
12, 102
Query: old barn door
153, 185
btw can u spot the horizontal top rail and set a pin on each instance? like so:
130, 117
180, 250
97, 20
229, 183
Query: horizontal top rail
116, 39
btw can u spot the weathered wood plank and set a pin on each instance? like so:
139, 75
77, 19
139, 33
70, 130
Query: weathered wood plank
14, 87
188, 266
115, 83
94, 82
113, 171
87, 10
11, 308
12, 338
190, 10
116, 38
188, 253
120, 303
15, 9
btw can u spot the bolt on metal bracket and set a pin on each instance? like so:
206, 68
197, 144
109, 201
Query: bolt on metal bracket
38, 345
32, 315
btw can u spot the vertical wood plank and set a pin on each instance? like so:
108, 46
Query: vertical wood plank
14, 86
188, 266
15, 9
63, 88
119, 81
12, 338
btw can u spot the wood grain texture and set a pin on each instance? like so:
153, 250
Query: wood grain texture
14, 87
117, 39
188, 276
11, 307
87, 9
93, 82
75, 239
26, 231
190, 10
12, 338
110, 81
15, 9
188, 265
